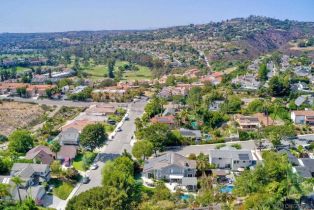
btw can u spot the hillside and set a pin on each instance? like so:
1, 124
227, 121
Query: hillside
239, 38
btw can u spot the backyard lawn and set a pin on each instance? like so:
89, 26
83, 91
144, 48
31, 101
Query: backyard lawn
61, 189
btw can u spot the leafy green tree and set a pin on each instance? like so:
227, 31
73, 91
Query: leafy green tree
154, 107
269, 184
276, 133
232, 105
93, 136
5, 165
161, 192
279, 86
159, 135
55, 147
142, 149
262, 72
21, 141
194, 97
55, 167
4, 190
255, 106
111, 65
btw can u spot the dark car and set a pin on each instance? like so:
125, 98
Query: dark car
111, 122
85, 180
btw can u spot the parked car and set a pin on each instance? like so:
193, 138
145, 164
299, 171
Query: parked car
94, 166
85, 180
119, 129
111, 122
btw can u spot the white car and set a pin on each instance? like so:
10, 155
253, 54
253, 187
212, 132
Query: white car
94, 166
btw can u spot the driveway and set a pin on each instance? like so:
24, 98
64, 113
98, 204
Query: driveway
115, 146
51, 201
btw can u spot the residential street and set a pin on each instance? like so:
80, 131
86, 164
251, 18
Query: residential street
116, 146
50, 102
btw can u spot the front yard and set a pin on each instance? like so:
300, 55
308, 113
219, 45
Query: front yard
61, 189
83, 160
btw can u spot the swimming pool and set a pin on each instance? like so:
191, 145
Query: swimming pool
226, 189
185, 197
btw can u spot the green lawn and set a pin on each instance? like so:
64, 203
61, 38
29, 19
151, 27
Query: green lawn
141, 74
21, 69
78, 163
101, 70
96, 72
61, 189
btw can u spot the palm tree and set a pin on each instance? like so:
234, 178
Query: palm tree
55, 147
18, 182
4, 190
202, 163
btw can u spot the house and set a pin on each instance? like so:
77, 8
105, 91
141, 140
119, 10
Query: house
193, 134
192, 73
31, 90
304, 100
302, 71
101, 109
303, 117
78, 125
36, 192
214, 78
69, 136
247, 122
172, 167
169, 111
41, 154
255, 65
247, 82
305, 168
78, 89
169, 120
231, 158
31, 173
215, 105
300, 86
265, 120
66, 154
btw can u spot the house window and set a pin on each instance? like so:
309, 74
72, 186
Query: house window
171, 170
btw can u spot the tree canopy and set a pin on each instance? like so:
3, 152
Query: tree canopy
21, 141
93, 136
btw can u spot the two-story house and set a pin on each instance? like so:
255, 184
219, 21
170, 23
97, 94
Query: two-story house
231, 158
31, 173
171, 167
303, 117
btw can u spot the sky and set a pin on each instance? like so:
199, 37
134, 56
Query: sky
73, 15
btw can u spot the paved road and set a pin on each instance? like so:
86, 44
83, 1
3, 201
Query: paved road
50, 102
115, 146
197, 149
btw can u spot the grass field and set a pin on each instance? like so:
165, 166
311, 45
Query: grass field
96, 72
21, 69
61, 189
141, 74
